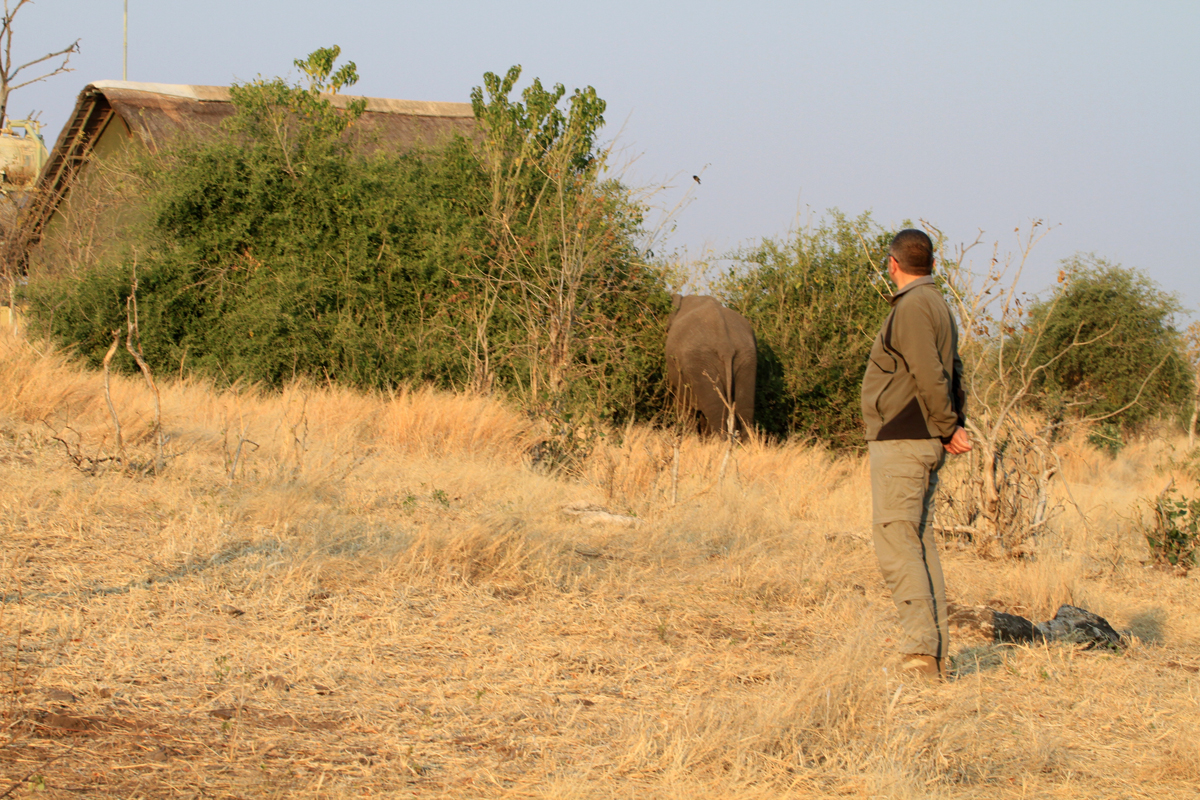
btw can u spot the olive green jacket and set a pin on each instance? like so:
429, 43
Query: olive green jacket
912, 388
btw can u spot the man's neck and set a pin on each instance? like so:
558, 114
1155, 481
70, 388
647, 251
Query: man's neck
903, 279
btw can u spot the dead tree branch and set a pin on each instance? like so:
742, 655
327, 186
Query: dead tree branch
112, 411
131, 317
9, 72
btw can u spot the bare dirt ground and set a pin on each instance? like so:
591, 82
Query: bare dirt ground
326, 594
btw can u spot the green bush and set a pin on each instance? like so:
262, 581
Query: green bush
1175, 538
1107, 346
816, 301
279, 248
1108, 438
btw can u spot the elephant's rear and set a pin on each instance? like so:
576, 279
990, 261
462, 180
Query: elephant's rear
711, 362
744, 372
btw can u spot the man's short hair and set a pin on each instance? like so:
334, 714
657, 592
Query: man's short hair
913, 249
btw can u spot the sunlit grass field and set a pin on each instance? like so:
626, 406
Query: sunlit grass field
330, 594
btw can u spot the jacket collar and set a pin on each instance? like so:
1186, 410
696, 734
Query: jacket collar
924, 280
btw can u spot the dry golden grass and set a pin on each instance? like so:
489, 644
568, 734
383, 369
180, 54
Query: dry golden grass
379, 597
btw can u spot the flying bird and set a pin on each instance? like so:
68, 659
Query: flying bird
696, 178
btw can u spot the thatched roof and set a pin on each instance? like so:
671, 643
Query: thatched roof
155, 112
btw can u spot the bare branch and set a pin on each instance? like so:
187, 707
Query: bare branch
67, 51
134, 332
1005, 500
8, 72
108, 357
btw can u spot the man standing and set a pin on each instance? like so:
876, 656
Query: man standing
913, 405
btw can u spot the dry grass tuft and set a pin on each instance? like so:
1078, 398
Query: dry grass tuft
334, 594
428, 423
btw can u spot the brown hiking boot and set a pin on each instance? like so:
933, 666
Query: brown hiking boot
923, 665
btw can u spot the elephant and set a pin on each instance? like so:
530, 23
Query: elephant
711, 355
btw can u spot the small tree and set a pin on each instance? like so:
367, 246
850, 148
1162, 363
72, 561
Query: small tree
10, 249
580, 310
1001, 496
275, 247
1133, 324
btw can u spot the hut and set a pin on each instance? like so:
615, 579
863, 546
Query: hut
112, 116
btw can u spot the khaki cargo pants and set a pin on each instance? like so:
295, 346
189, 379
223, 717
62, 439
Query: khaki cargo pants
904, 476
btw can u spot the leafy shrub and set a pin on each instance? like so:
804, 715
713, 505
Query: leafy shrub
1175, 538
816, 301
1108, 438
286, 245
1133, 366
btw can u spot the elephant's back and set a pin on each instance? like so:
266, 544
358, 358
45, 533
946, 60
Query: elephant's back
704, 328
696, 312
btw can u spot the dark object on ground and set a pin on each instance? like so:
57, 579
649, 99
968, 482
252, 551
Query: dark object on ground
1079, 625
1070, 624
1012, 628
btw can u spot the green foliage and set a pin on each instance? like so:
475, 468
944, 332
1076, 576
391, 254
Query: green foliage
522, 134
279, 248
1106, 344
816, 301
1107, 436
292, 126
318, 66
1175, 538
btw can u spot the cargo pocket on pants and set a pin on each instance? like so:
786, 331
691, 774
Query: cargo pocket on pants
904, 493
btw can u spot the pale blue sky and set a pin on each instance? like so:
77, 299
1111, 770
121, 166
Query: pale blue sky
970, 115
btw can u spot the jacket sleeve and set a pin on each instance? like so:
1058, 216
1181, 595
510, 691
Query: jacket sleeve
917, 331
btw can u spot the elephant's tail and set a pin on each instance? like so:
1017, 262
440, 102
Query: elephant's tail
730, 415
